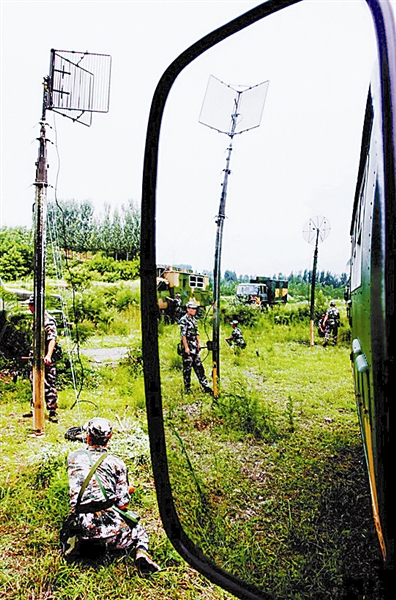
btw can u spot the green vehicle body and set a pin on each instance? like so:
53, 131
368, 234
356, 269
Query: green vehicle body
192, 287
371, 309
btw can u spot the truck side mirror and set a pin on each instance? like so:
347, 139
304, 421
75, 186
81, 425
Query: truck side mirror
169, 189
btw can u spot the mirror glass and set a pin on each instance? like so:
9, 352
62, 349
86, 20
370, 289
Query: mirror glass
269, 476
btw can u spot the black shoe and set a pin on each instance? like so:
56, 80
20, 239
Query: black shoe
53, 416
144, 562
207, 390
27, 415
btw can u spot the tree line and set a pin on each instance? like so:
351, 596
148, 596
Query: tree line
77, 229
325, 278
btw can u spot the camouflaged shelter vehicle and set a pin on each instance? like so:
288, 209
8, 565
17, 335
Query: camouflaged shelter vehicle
191, 287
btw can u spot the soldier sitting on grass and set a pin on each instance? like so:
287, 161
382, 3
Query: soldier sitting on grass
100, 524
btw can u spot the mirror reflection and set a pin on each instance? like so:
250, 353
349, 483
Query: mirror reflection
266, 461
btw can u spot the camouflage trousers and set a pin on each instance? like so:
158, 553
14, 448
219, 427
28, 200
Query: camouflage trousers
331, 330
193, 361
50, 391
127, 537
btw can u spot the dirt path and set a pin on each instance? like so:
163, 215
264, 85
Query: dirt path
104, 355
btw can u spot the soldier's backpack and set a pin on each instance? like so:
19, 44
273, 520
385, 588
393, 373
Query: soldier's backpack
333, 318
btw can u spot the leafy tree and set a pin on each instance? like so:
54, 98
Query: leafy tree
131, 231
116, 234
16, 253
230, 276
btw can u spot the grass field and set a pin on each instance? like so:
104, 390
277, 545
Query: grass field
269, 479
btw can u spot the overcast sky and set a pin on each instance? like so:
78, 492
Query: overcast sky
301, 162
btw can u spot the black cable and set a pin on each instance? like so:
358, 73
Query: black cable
66, 249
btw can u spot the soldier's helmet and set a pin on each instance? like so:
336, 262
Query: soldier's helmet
332, 303
191, 305
177, 295
234, 323
99, 429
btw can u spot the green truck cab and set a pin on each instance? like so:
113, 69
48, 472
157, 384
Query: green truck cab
263, 291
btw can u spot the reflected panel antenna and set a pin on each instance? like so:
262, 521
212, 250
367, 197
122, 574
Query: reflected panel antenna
79, 84
316, 228
221, 99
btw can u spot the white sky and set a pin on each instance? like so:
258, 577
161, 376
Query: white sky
301, 161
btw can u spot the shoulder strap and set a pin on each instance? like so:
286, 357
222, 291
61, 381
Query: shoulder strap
88, 477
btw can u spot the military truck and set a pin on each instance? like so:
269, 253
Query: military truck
188, 285
263, 291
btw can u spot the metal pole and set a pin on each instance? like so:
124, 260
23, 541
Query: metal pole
40, 217
217, 259
312, 311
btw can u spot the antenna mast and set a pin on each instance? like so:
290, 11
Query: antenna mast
70, 91
252, 99
315, 230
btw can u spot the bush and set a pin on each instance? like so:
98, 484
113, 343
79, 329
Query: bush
245, 314
243, 410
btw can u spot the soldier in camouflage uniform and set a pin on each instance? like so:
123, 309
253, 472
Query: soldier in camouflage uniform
190, 349
236, 337
99, 522
331, 323
50, 391
175, 308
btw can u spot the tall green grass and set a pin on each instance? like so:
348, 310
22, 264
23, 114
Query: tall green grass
269, 478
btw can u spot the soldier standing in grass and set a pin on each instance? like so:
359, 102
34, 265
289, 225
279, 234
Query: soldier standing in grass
191, 346
175, 308
102, 526
50, 391
331, 323
236, 337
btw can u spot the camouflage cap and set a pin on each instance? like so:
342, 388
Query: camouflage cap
234, 322
31, 300
191, 305
99, 428
332, 303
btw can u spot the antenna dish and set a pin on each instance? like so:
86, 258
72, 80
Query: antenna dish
219, 103
316, 228
79, 84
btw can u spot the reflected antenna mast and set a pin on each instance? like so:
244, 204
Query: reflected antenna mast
246, 108
77, 86
315, 230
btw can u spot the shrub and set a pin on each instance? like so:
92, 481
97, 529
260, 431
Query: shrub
242, 410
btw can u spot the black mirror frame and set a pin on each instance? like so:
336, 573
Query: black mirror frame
386, 39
